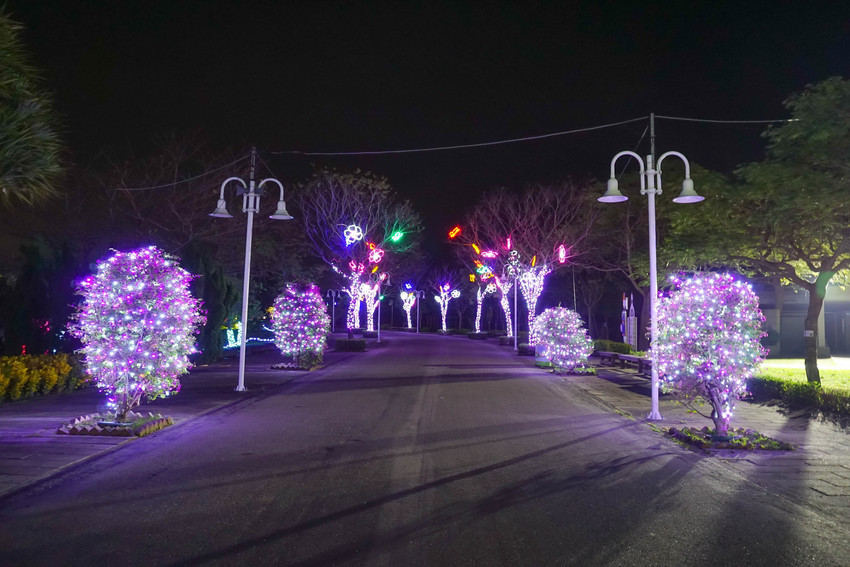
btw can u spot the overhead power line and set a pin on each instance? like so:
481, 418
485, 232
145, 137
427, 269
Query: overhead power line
458, 146
173, 183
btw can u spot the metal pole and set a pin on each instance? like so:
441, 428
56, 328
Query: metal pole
516, 320
249, 206
379, 313
418, 301
653, 284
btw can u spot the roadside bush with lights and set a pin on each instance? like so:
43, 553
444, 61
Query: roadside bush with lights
301, 323
136, 322
709, 341
559, 332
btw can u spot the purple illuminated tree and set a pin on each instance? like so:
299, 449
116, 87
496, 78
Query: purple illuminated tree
300, 322
708, 344
137, 321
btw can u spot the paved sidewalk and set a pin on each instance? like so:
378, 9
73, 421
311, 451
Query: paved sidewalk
31, 451
816, 474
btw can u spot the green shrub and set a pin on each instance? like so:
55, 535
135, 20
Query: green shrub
612, 346
525, 350
350, 345
25, 376
796, 394
477, 336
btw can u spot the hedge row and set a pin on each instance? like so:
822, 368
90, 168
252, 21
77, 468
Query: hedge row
800, 394
605, 345
25, 376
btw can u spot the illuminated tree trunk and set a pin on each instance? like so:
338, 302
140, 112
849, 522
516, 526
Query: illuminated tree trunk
531, 286
369, 292
817, 292
505, 302
353, 318
409, 300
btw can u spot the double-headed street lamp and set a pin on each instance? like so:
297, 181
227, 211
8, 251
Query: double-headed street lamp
250, 204
650, 185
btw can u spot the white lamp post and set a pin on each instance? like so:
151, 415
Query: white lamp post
419, 296
250, 204
650, 185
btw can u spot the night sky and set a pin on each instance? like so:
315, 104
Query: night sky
354, 76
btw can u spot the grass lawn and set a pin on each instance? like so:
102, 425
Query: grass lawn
834, 372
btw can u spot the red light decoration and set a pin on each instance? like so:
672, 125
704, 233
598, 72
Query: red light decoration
562, 254
508, 243
454, 232
489, 254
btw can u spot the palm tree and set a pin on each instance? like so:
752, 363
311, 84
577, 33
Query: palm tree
29, 145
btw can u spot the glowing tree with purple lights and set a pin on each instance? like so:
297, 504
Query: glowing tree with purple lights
300, 323
564, 340
136, 322
708, 342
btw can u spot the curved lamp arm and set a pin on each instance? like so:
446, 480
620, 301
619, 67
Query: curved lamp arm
688, 195
221, 207
280, 213
612, 194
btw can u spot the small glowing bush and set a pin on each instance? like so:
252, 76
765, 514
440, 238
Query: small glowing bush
300, 323
564, 341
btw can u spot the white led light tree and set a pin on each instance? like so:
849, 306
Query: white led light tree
408, 300
481, 293
446, 294
300, 323
358, 227
137, 323
564, 341
523, 238
708, 341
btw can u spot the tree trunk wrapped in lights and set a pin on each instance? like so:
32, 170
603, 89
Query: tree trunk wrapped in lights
708, 341
137, 323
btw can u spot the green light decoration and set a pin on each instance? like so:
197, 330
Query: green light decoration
396, 236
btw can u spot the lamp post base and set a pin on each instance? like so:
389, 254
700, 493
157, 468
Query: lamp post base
240, 389
654, 416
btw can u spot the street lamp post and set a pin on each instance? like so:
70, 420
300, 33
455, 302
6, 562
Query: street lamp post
250, 204
419, 296
650, 185
333, 294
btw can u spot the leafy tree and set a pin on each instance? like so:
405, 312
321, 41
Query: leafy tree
708, 343
29, 145
788, 216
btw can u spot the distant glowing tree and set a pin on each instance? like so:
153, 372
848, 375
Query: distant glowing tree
708, 343
357, 226
136, 322
300, 322
408, 299
521, 239
446, 294
564, 340
481, 293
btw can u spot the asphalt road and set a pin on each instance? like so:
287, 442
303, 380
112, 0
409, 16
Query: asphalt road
426, 450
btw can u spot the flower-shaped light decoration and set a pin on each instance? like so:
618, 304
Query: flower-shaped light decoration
352, 234
376, 255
